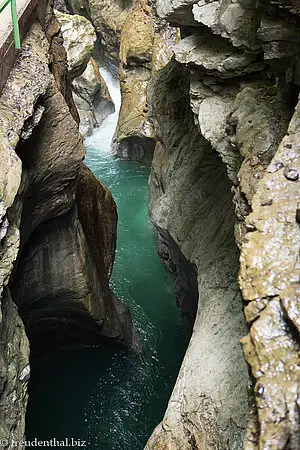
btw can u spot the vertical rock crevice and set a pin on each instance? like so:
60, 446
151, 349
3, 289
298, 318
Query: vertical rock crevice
222, 114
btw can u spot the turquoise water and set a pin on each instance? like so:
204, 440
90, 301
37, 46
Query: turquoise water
112, 399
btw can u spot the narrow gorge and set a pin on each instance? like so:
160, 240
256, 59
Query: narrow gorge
150, 213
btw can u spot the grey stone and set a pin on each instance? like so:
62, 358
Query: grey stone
79, 39
191, 203
215, 56
177, 11
291, 173
28, 80
237, 21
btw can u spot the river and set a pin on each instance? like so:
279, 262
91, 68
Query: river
113, 399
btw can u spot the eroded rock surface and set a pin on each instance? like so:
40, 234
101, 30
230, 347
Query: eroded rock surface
52, 278
92, 98
269, 279
79, 39
90, 92
51, 232
239, 63
32, 77
243, 70
191, 206
225, 129
134, 43
145, 47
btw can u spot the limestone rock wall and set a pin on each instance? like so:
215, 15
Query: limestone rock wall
52, 163
191, 206
269, 279
92, 98
145, 46
14, 360
134, 43
240, 62
90, 92
107, 17
223, 116
15, 111
53, 280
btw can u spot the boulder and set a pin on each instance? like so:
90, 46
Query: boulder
79, 39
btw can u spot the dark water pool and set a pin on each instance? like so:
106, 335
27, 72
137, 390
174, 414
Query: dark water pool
113, 400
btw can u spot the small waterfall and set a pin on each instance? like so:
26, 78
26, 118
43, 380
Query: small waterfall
102, 136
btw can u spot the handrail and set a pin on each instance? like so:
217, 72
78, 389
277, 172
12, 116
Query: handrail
14, 16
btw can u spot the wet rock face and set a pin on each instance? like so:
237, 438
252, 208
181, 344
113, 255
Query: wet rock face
136, 149
97, 213
56, 302
49, 180
191, 206
51, 296
185, 273
46, 194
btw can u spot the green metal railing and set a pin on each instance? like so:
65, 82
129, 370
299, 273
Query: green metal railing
14, 16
